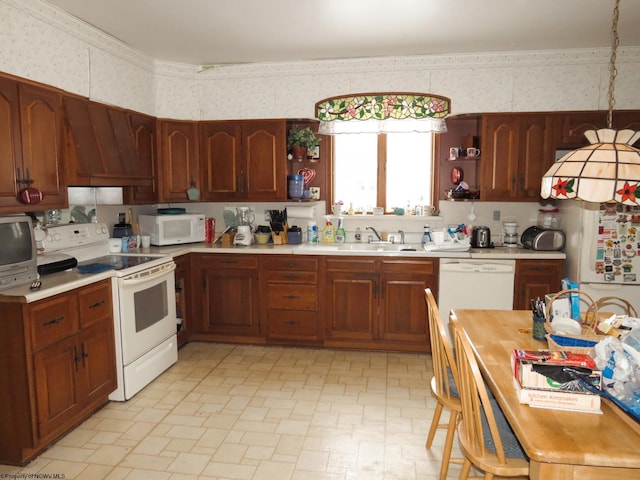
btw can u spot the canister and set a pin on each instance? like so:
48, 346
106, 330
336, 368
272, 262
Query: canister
296, 186
312, 231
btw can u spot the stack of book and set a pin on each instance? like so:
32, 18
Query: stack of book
555, 380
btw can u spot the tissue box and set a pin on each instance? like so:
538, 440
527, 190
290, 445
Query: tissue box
574, 298
561, 307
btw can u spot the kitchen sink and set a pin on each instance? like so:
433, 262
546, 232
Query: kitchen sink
359, 248
377, 247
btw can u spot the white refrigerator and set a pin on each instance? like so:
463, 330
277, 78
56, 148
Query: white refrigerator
603, 249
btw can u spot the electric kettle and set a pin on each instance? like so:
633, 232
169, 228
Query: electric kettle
481, 237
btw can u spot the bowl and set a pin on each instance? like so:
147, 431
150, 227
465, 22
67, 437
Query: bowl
565, 325
262, 238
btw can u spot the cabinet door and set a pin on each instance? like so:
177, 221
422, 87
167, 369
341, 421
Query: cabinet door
144, 135
222, 175
403, 311
574, 124
10, 146
56, 382
537, 154
179, 159
263, 170
97, 364
500, 156
535, 279
352, 306
230, 301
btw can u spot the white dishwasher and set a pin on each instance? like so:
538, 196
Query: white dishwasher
483, 284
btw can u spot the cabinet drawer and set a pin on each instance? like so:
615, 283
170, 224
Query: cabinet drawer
350, 264
232, 260
289, 276
292, 297
427, 267
52, 320
292, 324
95, 303
293, 262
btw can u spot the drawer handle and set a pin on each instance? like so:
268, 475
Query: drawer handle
291, 277
53, 321
292, 322
97, 304
291, 297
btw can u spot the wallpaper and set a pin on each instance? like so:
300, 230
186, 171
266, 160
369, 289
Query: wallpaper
42, 43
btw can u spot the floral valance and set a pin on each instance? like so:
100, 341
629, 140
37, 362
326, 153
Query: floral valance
383, 112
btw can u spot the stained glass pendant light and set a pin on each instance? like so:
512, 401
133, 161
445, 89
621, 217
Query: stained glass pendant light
606, 171
383, 113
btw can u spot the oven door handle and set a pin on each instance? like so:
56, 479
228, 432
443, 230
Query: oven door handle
136, 281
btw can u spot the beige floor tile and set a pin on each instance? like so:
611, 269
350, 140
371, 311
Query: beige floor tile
262, 413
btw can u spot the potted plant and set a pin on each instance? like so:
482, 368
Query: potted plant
300, 141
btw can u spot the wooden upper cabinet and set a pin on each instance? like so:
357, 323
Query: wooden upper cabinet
220, 144
574, 124
264, 159
30, 146
179, 159
145, 139
102, 146
517, 149
243, 160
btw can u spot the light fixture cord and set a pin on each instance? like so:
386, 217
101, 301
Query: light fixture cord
612, 63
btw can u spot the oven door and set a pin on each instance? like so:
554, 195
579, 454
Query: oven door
147, 310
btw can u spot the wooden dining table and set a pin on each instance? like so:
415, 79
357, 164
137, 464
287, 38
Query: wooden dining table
561, 445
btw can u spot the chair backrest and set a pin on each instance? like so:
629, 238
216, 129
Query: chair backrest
444, 367
475, 400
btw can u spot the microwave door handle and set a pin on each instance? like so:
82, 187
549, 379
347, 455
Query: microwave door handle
138, 281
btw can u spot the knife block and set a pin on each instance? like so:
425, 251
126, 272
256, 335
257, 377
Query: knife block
280, 238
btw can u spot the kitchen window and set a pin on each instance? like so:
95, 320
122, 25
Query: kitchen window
393, 170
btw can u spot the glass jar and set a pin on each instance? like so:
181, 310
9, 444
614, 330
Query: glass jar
549, 218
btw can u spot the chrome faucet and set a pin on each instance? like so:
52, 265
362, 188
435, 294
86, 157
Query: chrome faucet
375, 232
401, 232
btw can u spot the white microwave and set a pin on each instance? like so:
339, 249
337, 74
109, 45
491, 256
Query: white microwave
173, 229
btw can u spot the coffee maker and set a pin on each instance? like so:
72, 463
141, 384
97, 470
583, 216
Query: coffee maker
510, 235
244, 235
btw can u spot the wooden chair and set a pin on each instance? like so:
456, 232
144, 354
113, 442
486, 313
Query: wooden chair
443, 383
486, 439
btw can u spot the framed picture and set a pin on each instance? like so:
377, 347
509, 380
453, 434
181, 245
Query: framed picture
315, 152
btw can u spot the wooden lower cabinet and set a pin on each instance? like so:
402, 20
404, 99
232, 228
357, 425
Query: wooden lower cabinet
291, 299
226, 288
536, 278
378, 303
60, 367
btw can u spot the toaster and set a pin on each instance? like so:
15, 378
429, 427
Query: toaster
539, 238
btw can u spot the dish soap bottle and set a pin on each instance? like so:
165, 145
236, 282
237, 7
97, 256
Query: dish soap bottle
328, 233
426, 236
340, 233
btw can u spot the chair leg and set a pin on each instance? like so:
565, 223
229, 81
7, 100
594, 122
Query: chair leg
448, 444
435, 421
466, 468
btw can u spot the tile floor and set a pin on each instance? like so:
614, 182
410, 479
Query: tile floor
254, 413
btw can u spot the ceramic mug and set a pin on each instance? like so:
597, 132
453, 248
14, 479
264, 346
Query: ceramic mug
473, 152
336, 209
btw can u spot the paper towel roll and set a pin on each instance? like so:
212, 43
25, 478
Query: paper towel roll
300, 212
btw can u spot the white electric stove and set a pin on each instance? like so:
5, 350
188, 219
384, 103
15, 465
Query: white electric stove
144, 307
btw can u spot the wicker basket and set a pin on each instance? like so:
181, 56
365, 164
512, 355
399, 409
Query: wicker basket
586, 340
618, 302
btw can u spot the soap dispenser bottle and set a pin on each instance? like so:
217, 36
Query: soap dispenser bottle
426, 235
341, 236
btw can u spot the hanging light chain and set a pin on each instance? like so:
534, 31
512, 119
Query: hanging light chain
612, 63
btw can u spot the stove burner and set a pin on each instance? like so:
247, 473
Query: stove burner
119, 262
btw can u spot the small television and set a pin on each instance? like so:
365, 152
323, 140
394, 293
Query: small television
18, 253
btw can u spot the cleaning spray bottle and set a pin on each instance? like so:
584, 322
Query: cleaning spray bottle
341, 236
328, 232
